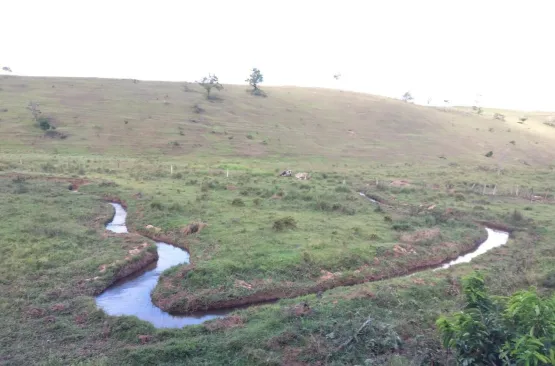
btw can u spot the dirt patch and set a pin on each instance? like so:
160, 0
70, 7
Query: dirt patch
194, 227
420, 235
399, 250
144, 338
35, 312
243, 284
58, 307
228, 322
400, 183
153, 228
327, 276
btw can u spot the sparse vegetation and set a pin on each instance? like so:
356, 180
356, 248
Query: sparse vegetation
285, 223
290, 238
210, 82
499, 116
407, 97
254, 79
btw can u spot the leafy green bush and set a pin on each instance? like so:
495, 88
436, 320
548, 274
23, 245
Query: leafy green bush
44, 123
515, 330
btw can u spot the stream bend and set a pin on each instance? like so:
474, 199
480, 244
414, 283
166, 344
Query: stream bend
131, 295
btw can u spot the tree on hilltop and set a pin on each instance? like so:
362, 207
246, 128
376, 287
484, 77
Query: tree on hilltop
210, 82
407, 97
254, 79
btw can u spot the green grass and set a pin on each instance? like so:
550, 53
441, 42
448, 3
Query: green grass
103, 116
51, 250
264, 234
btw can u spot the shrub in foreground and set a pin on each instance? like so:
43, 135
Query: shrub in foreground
515, 330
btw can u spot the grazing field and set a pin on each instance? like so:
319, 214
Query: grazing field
336, 262
104, 116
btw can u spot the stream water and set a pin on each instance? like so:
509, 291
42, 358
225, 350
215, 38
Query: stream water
131, 295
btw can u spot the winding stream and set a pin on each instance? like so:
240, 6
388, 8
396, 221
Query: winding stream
131, 295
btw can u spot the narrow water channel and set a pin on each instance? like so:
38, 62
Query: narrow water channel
131, 295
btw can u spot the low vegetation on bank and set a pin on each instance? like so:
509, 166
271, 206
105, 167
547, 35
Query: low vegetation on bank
298, 233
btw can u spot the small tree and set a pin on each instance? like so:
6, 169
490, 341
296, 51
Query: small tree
407, 97
209, 82
518, 330
254, 79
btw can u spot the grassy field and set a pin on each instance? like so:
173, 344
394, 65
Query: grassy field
266, 237
103, 116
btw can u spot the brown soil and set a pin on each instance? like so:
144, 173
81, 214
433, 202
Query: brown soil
135, 266
400, 183
194, 227
144, 338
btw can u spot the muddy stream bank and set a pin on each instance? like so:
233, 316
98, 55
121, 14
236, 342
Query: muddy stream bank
131, 295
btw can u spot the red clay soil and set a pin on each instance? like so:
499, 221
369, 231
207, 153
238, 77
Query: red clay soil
133, 267
173, 304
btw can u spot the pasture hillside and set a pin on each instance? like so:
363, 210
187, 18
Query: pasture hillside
137, 118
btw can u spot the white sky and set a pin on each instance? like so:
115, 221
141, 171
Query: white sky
504, 50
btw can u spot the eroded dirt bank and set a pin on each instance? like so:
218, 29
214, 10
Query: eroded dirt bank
183, 302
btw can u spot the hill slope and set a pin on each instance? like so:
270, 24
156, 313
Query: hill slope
120, 116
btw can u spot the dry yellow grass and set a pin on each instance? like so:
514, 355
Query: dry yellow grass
111, 117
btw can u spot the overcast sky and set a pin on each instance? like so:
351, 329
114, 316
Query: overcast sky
445, 49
